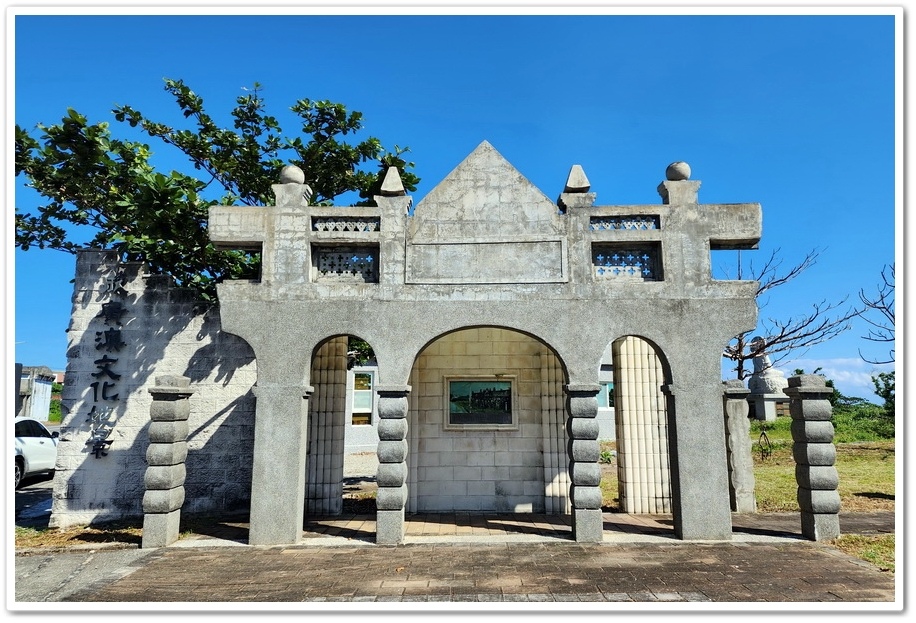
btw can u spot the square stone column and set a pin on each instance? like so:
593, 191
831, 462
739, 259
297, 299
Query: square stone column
699, 470
738, 440
278, 473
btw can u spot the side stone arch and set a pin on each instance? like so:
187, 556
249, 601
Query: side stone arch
328, 426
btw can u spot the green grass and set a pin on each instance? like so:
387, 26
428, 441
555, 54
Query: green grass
867, 475
876, 549
850, 425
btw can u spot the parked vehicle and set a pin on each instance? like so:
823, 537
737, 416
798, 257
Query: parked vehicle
36, 449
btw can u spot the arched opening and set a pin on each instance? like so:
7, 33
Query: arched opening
641, 414
341, 461
486, 426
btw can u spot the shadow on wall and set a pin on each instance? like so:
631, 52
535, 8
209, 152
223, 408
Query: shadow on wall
126, 329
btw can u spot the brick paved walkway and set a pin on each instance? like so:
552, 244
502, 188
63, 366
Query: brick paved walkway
525, 562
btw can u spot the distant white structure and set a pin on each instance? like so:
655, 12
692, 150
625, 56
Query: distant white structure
34, 400
766, 385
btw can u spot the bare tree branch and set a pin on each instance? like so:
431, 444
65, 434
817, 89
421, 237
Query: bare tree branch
883, 307
779, 339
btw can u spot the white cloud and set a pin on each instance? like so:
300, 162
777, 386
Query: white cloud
852, 376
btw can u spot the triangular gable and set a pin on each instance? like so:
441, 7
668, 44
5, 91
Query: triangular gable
486, 223
484, 196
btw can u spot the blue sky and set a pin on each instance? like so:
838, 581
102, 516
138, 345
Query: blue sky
796, 112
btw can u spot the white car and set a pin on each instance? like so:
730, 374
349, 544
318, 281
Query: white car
36, 449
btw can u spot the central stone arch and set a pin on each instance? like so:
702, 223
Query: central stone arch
487, 425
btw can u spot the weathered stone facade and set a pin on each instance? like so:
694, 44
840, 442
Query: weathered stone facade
152, 330
485, 264
485, 248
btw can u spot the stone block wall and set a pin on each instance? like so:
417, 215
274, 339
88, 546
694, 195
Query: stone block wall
127, 328
499, 470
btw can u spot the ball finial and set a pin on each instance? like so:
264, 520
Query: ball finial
291, 174
678, 171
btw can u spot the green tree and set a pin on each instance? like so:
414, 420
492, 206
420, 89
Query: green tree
91, 181
885, 389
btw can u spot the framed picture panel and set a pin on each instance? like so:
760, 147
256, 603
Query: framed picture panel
480, 402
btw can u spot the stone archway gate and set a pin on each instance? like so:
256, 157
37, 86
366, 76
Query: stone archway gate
487, 248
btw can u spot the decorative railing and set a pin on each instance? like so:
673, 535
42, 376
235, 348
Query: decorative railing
353, 224
637, 222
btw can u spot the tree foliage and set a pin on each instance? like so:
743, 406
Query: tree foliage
885, 387
879, 314
782, 338
90, 180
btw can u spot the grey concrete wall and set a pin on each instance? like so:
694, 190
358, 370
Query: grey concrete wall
162, 332
486, 248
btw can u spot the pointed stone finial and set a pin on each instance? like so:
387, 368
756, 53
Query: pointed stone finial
291, 174
577, 182
678, 171
392, 185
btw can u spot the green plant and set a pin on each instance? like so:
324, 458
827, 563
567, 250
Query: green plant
54, 413
885, 386
108, 190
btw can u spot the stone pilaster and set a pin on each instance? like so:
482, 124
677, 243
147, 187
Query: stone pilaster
585, 473
165, 457
392, 470
278, 484
815, 456
738, 447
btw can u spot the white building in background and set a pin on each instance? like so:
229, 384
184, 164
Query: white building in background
35, 383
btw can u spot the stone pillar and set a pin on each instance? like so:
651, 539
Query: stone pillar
392, 470
279, 470
583, 450
738, 447
699, 470
165, 457
815, 456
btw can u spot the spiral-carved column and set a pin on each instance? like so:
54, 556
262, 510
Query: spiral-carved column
392, 470
815, 456
584, 451
165, 457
